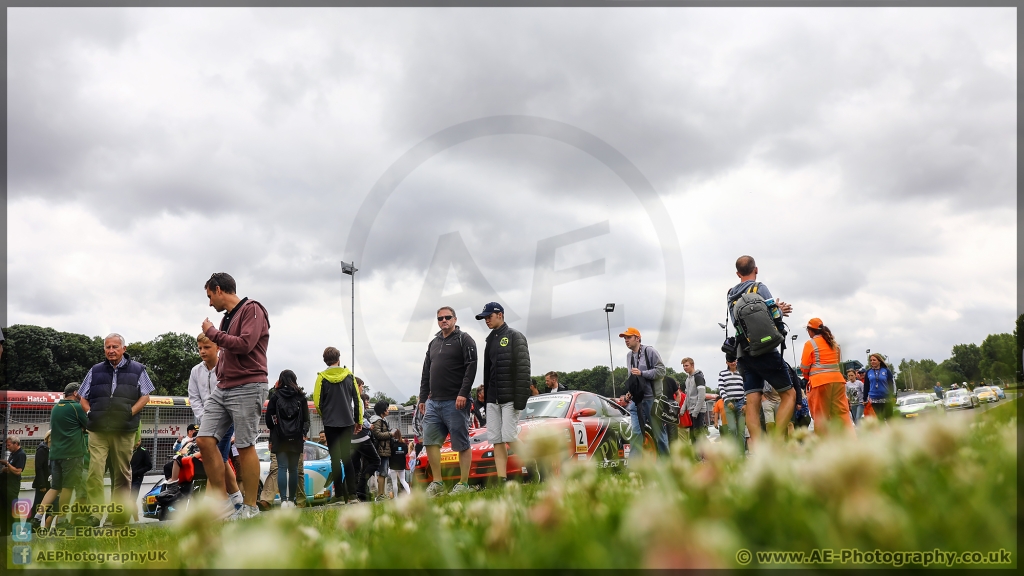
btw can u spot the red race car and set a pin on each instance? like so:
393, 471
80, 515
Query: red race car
595, 428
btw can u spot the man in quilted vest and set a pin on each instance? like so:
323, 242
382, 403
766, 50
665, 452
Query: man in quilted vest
113, 393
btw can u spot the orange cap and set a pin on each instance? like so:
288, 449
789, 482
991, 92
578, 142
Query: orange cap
815, 323
630, 332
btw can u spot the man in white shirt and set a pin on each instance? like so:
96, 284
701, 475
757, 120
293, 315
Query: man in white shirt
201, 382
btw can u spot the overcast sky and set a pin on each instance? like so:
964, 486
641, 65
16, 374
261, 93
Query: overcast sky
865, 157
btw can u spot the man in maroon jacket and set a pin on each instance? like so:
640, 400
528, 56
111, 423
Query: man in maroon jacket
240, 393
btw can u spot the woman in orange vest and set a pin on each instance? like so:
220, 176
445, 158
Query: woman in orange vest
826, 388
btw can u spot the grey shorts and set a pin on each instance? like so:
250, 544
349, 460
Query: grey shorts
241, 406
66, 472
443, 419
502, 423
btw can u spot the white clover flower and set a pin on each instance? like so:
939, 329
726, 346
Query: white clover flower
353, 517
260, 548
411, 506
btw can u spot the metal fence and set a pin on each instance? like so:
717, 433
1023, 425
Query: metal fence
161, 426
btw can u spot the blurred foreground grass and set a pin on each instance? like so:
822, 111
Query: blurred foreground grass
944, 483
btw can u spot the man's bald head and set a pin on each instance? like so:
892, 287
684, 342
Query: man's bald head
745, 265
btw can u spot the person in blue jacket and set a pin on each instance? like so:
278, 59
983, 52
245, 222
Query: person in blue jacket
879, 387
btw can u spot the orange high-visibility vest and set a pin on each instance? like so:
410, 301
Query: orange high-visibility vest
819, 363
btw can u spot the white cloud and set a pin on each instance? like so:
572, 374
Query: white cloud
865, 157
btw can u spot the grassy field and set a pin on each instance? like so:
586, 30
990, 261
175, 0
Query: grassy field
934, 484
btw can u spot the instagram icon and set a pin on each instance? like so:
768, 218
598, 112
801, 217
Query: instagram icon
21, 508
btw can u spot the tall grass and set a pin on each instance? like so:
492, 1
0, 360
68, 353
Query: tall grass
944, 483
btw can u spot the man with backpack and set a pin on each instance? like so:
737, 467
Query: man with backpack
757, 318
645, 364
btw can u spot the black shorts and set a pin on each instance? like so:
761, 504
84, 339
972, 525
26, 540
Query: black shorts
770, 367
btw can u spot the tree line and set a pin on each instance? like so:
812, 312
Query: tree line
44, 359
997, 360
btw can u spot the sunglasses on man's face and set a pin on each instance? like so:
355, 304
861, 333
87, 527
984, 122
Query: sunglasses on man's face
448, 317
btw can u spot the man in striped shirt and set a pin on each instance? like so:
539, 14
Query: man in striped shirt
730, 387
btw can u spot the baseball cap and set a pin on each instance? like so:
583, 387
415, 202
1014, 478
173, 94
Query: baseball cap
191, 427
490, 308
630, 332
815, 323
71, 388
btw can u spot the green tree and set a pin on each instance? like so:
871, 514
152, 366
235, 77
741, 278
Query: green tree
381, 396
968, 358
169, 359
39, 358
1018, 353
412, 401
949, 372
916, 374
997, 356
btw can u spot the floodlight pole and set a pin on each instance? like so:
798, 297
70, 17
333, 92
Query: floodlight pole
608, 309
350, 269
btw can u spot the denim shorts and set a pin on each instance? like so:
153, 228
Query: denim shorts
241, 406
66, 472
443, 419
770, 367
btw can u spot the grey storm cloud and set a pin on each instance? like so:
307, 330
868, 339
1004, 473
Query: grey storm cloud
775, 96
853, 139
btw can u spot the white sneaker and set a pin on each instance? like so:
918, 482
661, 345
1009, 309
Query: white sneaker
287, 504
244, 513
435, 489
461, 488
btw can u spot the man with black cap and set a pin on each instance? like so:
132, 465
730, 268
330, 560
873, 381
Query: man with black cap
506, 382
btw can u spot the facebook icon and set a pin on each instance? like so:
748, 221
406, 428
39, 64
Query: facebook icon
22, 532
21, 554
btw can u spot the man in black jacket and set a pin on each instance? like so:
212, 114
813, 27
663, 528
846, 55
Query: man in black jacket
506, 382
448, 373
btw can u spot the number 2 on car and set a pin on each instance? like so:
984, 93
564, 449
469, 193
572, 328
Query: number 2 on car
580, 432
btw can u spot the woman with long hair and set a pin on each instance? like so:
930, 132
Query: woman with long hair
826, 387
288, 421
880, 386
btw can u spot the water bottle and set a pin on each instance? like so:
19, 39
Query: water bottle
773, 309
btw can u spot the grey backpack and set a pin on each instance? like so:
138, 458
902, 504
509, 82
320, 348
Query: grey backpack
754, 322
